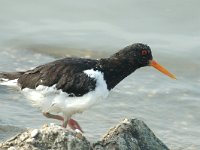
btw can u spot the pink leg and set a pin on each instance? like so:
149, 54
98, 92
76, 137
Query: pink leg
48, 115
74, 125
71, 122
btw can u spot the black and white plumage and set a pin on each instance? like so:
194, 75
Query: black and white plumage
71, 85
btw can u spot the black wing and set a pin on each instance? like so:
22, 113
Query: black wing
67, 74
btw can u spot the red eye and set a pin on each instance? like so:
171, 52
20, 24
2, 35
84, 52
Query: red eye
144, 52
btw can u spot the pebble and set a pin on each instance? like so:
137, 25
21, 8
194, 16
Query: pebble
12, 148
30, 140
77, 131
120, 130
79, 135
127, 121
23, 137
34, 133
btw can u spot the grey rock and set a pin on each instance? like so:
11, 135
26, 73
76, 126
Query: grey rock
130, 134
51, 137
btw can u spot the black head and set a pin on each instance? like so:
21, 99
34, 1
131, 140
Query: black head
139, 55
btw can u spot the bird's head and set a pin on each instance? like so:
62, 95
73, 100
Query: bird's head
140, 55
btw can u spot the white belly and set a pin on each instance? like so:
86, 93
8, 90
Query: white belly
53, 100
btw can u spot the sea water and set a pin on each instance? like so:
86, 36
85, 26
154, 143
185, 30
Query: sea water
34, 33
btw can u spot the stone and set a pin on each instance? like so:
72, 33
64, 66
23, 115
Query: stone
130, 134
49, 137
12, 148
34, 133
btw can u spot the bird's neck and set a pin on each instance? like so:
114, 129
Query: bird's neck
115, 69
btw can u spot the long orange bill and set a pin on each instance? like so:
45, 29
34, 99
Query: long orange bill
156, 65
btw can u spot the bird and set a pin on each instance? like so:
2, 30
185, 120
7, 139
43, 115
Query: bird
71, 85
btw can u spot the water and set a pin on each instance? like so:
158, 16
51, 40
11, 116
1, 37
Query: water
34, 33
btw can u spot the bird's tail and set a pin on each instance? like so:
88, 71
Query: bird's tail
10, 75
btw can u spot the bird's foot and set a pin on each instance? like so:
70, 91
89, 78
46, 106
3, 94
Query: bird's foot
73, 124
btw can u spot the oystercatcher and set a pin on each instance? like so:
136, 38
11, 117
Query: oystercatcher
72, 85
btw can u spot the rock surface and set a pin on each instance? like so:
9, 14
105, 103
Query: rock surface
130, 134
52, 137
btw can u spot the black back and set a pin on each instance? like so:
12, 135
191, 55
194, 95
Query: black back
66, 73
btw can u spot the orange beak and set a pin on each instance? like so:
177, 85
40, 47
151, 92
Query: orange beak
154, 64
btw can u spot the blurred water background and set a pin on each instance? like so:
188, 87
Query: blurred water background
36, 32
